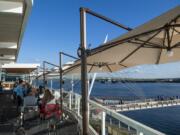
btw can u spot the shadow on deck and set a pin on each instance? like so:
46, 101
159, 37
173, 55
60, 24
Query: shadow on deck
8, 112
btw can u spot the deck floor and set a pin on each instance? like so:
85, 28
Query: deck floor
9, 114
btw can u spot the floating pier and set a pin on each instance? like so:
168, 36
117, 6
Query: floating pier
144, 105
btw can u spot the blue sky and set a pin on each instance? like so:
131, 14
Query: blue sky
53, 25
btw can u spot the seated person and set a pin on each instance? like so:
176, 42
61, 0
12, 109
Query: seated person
49, 106
56, 95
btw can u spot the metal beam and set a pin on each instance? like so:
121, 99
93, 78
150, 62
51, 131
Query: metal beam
172, 34
130, 54
106, 19
91, 68
51, 64
69, 55
45, 73
159, 57
108, 68
146, 45
176, 45
6, 59
168, 39
149, 43
112, 44
176, 31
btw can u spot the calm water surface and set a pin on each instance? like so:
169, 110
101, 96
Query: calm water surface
166, 120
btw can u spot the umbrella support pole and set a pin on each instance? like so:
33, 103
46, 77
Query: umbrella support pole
82, 53
84, 83
61, 54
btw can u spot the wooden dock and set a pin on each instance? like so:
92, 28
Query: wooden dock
144, 105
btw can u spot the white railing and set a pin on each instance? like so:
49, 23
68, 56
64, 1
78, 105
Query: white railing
133, 127
145, 105
74, 109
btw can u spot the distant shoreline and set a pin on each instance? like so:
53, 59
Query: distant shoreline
139, 80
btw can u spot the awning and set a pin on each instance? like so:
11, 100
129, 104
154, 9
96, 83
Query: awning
13, 18
155, 42
19, 68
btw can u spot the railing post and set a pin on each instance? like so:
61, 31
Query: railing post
44, 77
70, 100
103, 123
88, 100
119, 124
78, 106
110, 121
139, 133
72, 90
129, 129
51, 84
75, 102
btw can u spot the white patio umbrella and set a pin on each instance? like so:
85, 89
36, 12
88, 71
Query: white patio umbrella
155, 42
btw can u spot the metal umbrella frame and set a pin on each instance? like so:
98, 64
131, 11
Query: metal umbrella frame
150, 43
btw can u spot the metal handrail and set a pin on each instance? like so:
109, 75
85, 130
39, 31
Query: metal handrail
79, 119
139, 127
130, 122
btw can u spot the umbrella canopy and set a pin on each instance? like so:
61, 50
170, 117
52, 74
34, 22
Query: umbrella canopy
94, 67
157, 41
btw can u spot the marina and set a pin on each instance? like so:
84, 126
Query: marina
145, 105
80, 104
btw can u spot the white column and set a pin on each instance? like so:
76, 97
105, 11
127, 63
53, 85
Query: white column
139, 133
103, 123
129, 129
78, 104
70, 100
51, 84
110, 121
72, 90
119, 124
